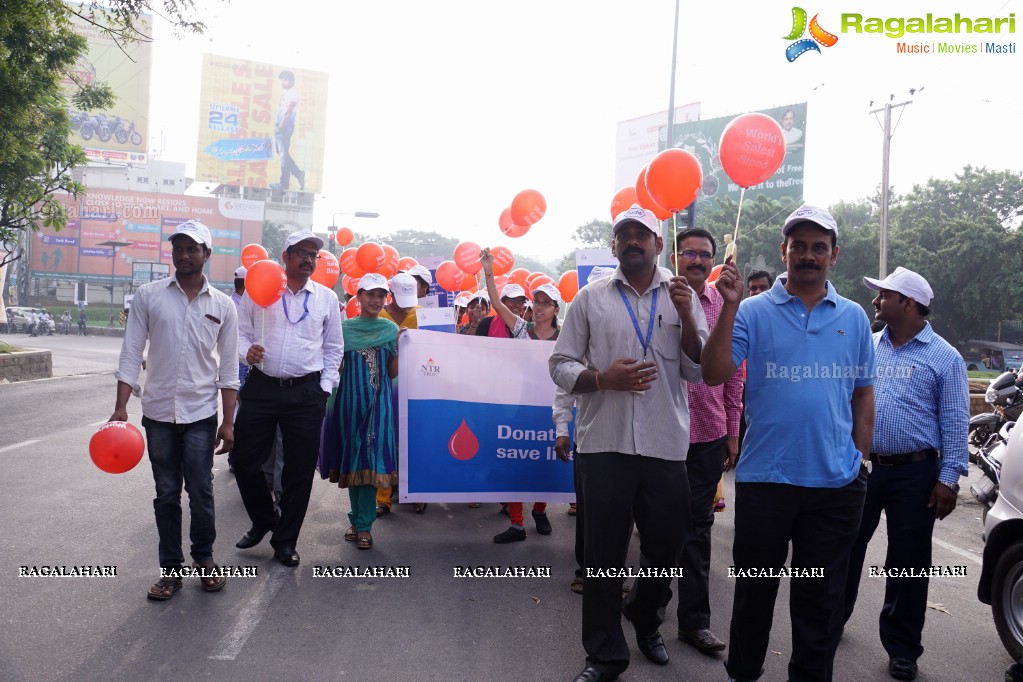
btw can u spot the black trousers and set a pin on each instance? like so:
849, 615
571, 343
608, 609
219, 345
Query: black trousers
580, 536
618, 490
821, 524
902, 492
298, 410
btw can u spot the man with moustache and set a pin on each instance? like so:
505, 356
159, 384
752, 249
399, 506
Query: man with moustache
801, 478
288, 386
628, 345
758, 282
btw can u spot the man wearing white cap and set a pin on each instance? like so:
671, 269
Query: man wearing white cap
629, 345
294, 347
921, 375
423, 279
801, 478
185, 321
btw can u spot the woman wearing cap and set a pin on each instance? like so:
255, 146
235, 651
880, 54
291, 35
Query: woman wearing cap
359, 445
544, 328
477, 309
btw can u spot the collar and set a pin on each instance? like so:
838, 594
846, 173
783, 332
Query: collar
308, 286
661, 276
925, 335
710, 293
780, 295
173, 281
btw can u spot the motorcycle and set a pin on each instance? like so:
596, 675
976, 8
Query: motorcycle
1005, 395
123, 134
990, 459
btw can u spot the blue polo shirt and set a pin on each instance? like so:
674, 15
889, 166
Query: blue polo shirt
802, 367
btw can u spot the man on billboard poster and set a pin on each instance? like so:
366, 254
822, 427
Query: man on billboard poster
285, 128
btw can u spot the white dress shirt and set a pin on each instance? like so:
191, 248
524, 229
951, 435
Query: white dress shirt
183, 375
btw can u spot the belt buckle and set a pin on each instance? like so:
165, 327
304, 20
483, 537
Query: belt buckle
881, 462
286, 382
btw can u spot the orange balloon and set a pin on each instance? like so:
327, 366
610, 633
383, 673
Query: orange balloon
253, 253
327, 270
518, 276
568, 285
533, 276
353, 308
674, 178
391, 259
504, 260
623, 201
715, 272
537, 281
407, 263
508, 226
464, 320
265, 283
644, 199
350, 284
349, 264
370, 256
500, 281
345, 236
752, 148
449, 276
116, 447
527, 207
467, 257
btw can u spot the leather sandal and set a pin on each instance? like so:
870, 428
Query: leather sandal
163, 589
351, 535
365, 540
210, 583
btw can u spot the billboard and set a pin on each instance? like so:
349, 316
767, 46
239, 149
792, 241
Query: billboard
639, 139
119, 134
261, 125
702, 138
146, 220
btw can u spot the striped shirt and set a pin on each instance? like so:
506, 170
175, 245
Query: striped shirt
599, 330
714, 411
922, 400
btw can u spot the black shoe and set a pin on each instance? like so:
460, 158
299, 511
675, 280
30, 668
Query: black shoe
543, 524
510, 535
652, 646
704, 640
902, 669
591, 674
287, 555
253, 536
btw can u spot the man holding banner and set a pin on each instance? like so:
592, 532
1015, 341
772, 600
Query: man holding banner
627, 345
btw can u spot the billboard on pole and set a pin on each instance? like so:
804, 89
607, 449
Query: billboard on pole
261, 125
639, 139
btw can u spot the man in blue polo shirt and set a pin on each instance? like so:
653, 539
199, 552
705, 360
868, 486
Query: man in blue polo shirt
810, 420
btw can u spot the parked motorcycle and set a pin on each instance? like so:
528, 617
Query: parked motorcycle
1005, 395
990, 459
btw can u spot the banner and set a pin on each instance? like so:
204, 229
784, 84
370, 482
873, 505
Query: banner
436, 319
261, 125
639, 139
474, 418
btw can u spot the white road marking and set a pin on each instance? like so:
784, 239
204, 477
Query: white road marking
18, 445
960, 551
232, 643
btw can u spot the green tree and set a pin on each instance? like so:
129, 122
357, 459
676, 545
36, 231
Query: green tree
274, 237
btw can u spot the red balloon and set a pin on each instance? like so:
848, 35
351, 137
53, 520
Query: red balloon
345, 236
327, 270
504, 260
752, 148
467, 257
536, 282
265, 283
623, 201
508, 226
644, 199
353, 308
370, 256
715, 272
253, 253
449, 276
500, 281
117, 447
351, 284
519, 276
568, 285
527, 207
349, 264
407, 263
674, 178
391, 259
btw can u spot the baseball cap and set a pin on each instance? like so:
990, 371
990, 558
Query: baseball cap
551, 291
460, 302
512, 291
301, 236
405, 290
240, 273
810, 214
637, 214
481, 295
372, 280
199, 233
421, 271
905, 282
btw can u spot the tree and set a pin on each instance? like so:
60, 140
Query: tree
275, 235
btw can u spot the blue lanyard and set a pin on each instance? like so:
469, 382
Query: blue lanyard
635, 323
305, 308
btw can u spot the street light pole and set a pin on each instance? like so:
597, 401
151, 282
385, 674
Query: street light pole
885, 199
357, 214
113, 244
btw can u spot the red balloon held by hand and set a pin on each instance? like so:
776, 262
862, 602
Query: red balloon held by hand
117, 447
265, 283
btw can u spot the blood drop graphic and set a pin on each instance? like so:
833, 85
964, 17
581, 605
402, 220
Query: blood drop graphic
463, 443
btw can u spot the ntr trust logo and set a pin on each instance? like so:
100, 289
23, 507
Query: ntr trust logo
803, 45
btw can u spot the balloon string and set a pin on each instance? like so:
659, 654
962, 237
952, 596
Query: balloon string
262, 334
674, 224
735, 236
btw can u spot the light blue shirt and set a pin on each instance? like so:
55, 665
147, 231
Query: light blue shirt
802, 368
922, 400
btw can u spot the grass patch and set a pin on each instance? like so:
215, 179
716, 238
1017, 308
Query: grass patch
982, 375
8, 348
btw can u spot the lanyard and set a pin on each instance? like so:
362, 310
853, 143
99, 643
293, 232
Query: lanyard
635, 323
305, 308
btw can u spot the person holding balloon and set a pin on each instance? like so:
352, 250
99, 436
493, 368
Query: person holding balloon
192, 331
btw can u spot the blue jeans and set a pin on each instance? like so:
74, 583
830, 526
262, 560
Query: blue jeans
183, 452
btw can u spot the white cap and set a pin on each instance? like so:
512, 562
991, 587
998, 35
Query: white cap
637, 214
199, 233
421, 271
482, 295
599, 272
551, 291
810, 214
460, 302
512, 291
905, 282
302, 236
373, 280
405, 290
241, 272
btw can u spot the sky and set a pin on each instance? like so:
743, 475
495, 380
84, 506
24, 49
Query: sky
440, 112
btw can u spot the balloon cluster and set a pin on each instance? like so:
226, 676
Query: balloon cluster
526, 209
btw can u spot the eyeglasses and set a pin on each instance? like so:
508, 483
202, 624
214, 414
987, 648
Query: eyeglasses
306, 255
692, 255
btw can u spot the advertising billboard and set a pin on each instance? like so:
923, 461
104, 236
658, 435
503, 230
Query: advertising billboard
145, 220
702, 138
119, 134
639, 139
261, 125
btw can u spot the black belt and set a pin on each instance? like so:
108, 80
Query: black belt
294, 381
903, 458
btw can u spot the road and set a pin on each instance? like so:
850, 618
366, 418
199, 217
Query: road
58, 509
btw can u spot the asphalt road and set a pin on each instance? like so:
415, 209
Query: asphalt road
58, 509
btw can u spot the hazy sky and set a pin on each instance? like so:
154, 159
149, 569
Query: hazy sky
440, 112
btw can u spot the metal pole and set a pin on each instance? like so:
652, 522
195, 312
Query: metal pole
113, 264
670, 133
883, 265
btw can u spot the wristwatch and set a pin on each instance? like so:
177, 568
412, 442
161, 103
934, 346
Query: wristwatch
954, 487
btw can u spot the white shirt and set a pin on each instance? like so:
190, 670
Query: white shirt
183, 375
288, 97
296, 343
